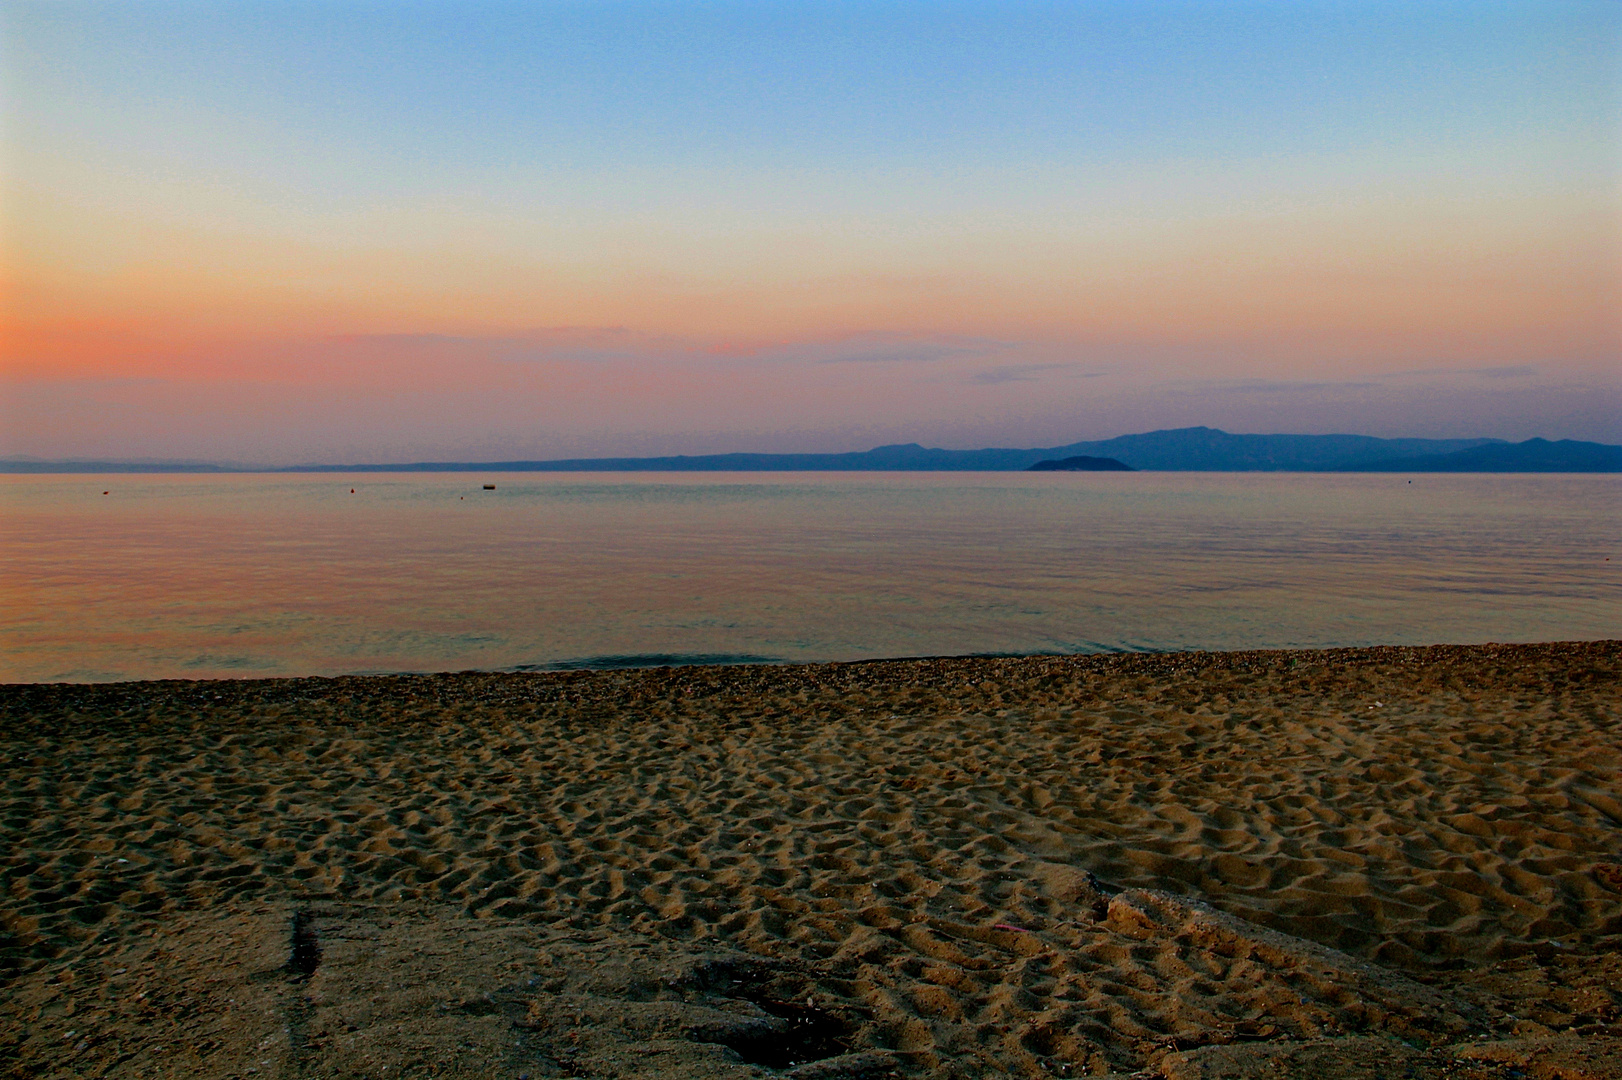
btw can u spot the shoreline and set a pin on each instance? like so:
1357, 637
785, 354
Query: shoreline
609, 665
1045, 865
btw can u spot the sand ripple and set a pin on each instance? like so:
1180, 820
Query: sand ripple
939, 845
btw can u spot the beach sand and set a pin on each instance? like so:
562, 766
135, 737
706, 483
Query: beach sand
1344, 863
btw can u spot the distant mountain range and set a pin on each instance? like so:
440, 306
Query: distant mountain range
34, 465
1184, 449
1533, 455
1198, 449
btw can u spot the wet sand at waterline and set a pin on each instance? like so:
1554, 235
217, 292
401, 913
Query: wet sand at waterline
1335, 863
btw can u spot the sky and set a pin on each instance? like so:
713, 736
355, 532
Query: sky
366, 231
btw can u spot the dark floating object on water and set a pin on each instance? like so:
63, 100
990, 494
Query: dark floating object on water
1082, 464
489, 487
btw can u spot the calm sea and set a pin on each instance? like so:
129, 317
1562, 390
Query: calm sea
256, 575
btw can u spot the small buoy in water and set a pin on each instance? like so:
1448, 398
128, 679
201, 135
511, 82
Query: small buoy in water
351, 491
106, 493
489, 487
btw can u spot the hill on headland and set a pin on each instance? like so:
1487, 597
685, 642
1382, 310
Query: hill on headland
1081, 463
1196, 449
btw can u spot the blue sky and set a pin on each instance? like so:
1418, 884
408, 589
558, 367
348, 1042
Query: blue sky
208, 203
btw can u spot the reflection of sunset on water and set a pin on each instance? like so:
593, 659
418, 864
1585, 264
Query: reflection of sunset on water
247, 575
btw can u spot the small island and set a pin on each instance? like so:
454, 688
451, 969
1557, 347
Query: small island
1081, 464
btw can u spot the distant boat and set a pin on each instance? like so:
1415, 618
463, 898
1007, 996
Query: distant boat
489, 487
1081, 463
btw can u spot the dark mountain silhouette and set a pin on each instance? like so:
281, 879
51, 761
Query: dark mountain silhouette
1183, 449
1533, 455
1081, 463
1208, 449
29, 465
1199, 448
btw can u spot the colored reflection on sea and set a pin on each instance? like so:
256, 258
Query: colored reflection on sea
206, 576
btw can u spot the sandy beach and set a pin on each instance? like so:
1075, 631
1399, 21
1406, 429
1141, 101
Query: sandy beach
1346, 863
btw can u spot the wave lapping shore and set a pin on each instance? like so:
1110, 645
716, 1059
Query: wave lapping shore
1319, 863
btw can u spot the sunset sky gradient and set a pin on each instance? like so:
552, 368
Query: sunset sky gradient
347, 231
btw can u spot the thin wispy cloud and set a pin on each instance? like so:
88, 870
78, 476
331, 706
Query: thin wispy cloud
587, 344
886, 349
1275, 386
584, 344
1502, 371
1009, 373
